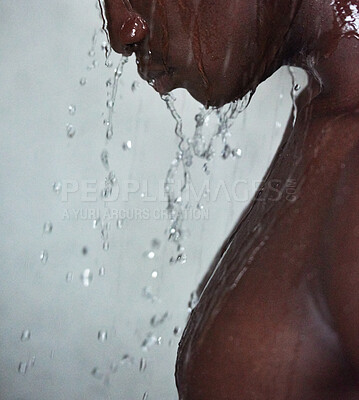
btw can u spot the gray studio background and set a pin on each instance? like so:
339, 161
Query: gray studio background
50, 320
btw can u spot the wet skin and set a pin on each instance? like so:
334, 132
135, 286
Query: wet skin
278, 316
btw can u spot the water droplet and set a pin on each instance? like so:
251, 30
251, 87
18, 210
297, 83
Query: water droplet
52, 354
147, 293
26, 335
70, 130
155, 243
200, 206
102, 336
237, 153
69, 277
145, 396
47, 228
176, 330
180, 259
150, 341
113, 367
86, 277
96, 373
96, 223
106, 192
135, 85
206, 169
102, 271
83, 81
126, 359
44, 256
158, 320
91, 53
22, 369
105, 46
149, 254
72, 109
32, 361
108, 83
104, 159
109, 133
56, 187
143, 364
120, 223
110, 104
226, 152
297, 87
193, 301
127, 145
108, 63
111, 178
106, 245
154, 274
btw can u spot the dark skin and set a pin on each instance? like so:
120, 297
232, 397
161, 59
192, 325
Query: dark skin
278, 316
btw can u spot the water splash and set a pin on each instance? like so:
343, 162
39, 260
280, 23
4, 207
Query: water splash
195, 147
110, 104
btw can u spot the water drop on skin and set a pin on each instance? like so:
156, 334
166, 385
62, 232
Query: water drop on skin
70, 131
26, 335
106, 246
83, 81
22, 368
102, 271
47, 228
143, 365
102, 336
86, 277
110, 104
44, 256
72, 109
